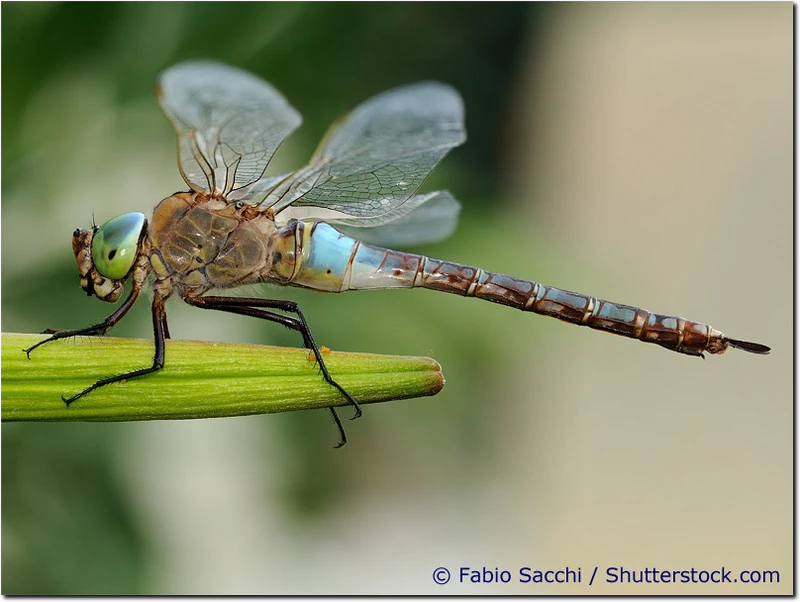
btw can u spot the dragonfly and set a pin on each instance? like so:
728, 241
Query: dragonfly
325, 226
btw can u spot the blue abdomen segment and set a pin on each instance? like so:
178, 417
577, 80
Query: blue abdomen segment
374, 267
325, 255
328, 260
330, 251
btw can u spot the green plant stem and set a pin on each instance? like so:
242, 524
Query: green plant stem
199, 379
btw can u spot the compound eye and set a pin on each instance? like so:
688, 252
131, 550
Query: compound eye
115, 244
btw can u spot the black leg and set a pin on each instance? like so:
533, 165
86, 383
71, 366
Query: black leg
342, 434
253, 307
166, 328
96, 330
159, 331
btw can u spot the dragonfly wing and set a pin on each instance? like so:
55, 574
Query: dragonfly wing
229, 124
376, 158
422, 219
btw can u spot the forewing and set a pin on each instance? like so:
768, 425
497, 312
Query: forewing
229, 124
379, 155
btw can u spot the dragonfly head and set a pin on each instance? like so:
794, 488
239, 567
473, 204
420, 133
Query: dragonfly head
106, 255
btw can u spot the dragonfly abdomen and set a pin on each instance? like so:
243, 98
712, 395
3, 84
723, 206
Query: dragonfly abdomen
317, 256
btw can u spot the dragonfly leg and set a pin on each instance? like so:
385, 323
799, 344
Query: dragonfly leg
166, 328
255, 308
340, 426
95, 330
159, 331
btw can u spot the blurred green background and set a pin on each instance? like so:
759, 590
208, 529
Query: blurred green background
638, 153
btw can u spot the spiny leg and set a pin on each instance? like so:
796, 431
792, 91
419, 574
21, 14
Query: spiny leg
95, 330
294, 324
247, 306
251, 307
340, 426
159, 330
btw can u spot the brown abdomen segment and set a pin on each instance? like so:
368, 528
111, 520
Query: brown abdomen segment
671, 332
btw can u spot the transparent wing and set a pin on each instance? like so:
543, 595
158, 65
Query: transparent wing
229, 124
377, 157
422, 219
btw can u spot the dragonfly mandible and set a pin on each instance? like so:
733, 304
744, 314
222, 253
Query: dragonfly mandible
236, 226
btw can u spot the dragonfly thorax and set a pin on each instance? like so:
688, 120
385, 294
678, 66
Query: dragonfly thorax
199, 242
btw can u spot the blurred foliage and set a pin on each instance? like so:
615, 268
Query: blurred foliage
67, 526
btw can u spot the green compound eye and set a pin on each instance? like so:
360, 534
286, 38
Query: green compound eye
115, 244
